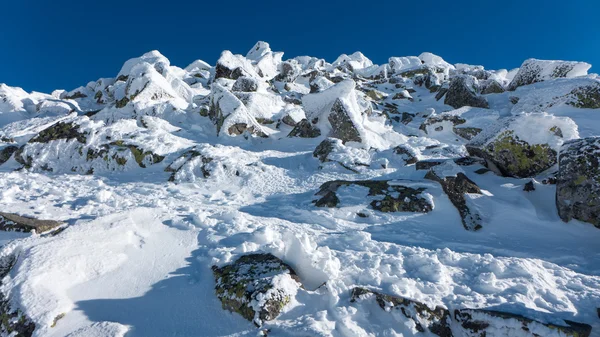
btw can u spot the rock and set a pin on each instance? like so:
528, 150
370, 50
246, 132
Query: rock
456, 187
256, 286
304, 129
436, 321
17, 223
395, 197
454, 119
375, 95
323, 150
586, 97
13, 322
192, 160
342, 127
462, 161
233, 67
578, 181
245, 84
7, 152
467, 133
409, 155
492, 87
533, 71
289, 72
463, 92
514, 157
529, 187
481, 323
60, 130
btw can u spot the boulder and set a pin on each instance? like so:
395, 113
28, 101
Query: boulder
256, 286
385, 195
481, 323
578, 181
245, 84
18, 223
463, 92
586, 97
7, 152
533, 71
492, 87
455, 188
305, 129
234, 66
351, 158
436, 321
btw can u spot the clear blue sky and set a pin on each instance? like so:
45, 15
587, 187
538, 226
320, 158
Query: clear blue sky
64, 44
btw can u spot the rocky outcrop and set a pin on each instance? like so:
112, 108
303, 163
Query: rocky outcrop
256, 286
60, 130
463, 92
455, 188
586, 97
388, 196
13, 322
466, 322
436, 321
481, 323
578, 181
17, 223
533, 71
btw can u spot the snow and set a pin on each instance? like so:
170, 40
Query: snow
135, 257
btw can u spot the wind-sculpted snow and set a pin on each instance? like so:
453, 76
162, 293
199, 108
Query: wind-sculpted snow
393, 194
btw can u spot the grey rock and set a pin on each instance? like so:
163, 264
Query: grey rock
245, 84
304, 129
462, 92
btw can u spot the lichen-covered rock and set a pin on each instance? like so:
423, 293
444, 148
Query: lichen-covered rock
17, 223
533, 71
523, 146
463, 92
60, 130
456, 187
436, 321
578, 181
256, 286
586, 97
481, 323
305, 129
515, 157
384, 195
13, 322
245, 84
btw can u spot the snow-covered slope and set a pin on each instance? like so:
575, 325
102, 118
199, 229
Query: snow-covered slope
380, 192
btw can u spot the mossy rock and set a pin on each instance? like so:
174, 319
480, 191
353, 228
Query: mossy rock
514, 157
587, 97
249, 286
58, 131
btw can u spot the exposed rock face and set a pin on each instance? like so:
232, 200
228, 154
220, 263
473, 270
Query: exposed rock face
533, 71
492, 87
59, 130
323, 150
481, 323
456, 187
514, 157
467, 322
256, 286
463, 92
15, 222
13, 323
396, 198
304, 129
7, 152
342, 126
245, 84
586, 97
578, 181
436, 321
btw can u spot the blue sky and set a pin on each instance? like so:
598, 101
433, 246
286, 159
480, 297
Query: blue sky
64, 44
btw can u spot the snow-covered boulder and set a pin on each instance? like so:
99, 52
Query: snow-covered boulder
586, 96
304, 129
463, 91
265, 61
256, 286
337, 111
533, 71
525, 145
14, 322
234, 66
380, 195
245, 84
333, 150
578, 181
230, 115
426, 320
